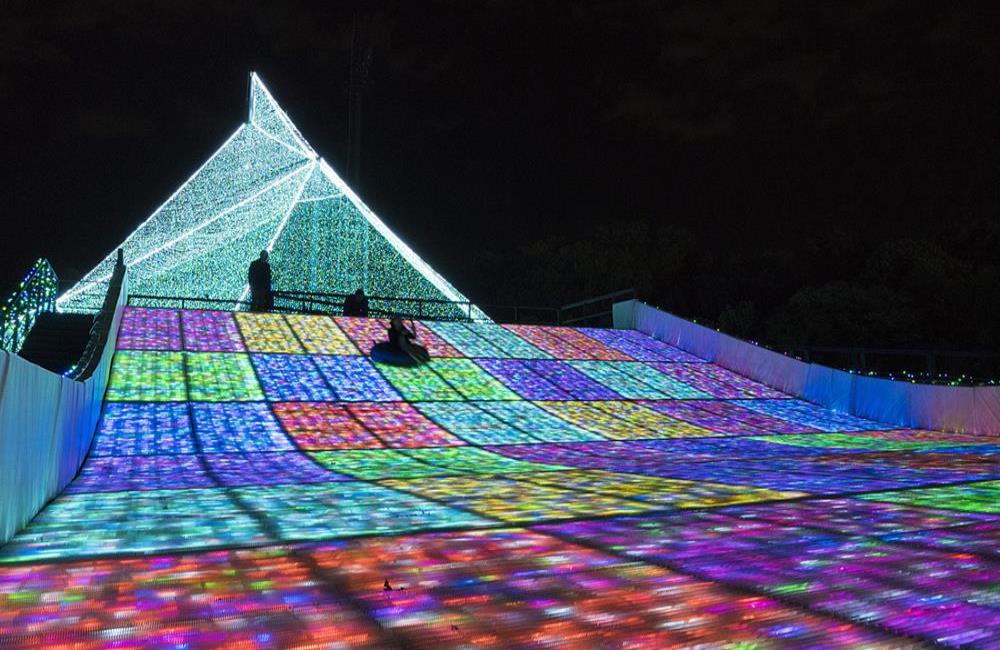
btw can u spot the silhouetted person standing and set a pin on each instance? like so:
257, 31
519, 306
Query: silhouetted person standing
259, 277
356, 304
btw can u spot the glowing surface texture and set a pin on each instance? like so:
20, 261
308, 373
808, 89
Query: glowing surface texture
35, 294
266, 188
256, 480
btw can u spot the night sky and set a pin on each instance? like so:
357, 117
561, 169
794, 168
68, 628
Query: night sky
492, 125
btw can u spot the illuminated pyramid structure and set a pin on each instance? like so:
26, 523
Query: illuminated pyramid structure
266, 188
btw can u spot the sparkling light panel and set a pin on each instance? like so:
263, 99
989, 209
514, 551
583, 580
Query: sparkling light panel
35, 294
266, 188
256, 479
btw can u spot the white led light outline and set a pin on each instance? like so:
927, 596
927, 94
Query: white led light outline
309, 155
281, 226
263, 132
82, 284
255, 79
325, 197
336, 193
278, 181
401, 247
287, 178
295, 201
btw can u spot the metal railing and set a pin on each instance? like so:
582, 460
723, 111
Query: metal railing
101, 328
186, 302
596, 311
585, 311
378, 306
321, 303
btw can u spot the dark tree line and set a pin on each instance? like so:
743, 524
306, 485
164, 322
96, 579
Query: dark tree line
939, 290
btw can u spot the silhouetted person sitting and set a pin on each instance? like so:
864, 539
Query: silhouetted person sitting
259, 277
402, 338
356, 304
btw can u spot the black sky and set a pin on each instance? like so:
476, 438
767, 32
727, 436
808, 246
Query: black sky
492, 124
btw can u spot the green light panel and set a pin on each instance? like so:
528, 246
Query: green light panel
35, 294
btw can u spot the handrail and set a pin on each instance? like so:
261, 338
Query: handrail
622, 294
404, 306
101, 328
342, 296
308, 302
35, 294
391, 305
608, 299
182, 301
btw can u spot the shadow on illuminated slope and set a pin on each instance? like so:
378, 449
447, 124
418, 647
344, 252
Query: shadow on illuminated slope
256, 479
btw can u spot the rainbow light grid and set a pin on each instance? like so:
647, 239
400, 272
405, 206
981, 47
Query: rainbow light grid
256, 479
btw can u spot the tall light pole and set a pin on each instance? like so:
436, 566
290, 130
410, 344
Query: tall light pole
361, 61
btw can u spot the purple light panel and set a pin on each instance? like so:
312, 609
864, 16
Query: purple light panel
570, 380
698, 376
233, 428
128, 429
641, 347
149, 329
211, 331
255, 479
633, 349
123, 473
752, 418
688, 411
269, 468
524, 381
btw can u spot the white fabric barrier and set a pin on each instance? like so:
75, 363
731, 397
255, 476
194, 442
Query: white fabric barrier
47, 423
945, 408
987, 410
